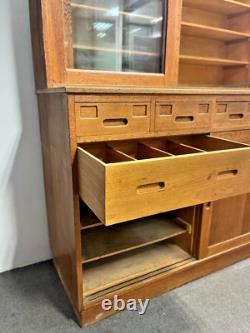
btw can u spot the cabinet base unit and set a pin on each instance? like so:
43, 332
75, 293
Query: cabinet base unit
135, 218
145, 125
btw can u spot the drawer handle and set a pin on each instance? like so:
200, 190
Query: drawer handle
184, 119
115, 122
236, 116
150, 188
227, 174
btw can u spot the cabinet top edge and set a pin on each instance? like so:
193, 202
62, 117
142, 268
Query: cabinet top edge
153, 91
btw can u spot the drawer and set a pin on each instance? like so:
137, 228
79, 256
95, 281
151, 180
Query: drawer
125, 180
231, 114
99, 119
180, 114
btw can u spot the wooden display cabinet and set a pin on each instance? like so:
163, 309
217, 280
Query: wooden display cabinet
145, 119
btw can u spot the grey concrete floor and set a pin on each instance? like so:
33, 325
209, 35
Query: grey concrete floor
32, 301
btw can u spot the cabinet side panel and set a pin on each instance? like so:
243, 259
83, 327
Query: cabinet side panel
59, 187
37, 43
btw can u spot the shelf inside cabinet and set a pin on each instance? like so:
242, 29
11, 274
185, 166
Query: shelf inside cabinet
101, 242
205, 31
88, 223
226, 7
188, 59
127, 266
88, 218
113, 50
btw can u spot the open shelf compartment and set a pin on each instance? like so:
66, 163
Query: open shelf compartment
118, 256
214, 48
136, 250
102, 242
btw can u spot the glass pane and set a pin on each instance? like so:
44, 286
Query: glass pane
119, 35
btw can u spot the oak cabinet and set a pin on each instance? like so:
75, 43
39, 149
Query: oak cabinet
145, 126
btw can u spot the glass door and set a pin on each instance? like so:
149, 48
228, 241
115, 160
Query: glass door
119, 35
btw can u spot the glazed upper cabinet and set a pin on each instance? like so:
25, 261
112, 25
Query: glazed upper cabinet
110, 42
143, 43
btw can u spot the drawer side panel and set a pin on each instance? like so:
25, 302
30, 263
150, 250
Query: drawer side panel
92, 183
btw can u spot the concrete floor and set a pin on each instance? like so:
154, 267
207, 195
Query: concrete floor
33, 301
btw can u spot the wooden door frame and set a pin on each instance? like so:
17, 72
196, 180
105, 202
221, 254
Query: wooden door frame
55, 13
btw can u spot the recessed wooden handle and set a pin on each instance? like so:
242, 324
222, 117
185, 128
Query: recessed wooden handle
236, 116
117, 122
184, 119
150, 188
227, 174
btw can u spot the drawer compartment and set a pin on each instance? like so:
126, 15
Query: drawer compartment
232, 114
100, 119
122, 181
183, 114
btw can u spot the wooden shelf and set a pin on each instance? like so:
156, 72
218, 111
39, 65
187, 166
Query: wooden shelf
205, 31
103, 242
107, 10
211, 61
88, 223
88, 218
127, 266
226, 7
112, 50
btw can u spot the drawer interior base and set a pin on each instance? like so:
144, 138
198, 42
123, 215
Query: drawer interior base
132, 150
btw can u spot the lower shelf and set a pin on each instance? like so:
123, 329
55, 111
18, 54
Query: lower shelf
101, 242
109, 272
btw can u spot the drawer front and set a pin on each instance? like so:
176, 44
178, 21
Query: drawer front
99, 119
231, 114
183, 114
119, 189
164, 185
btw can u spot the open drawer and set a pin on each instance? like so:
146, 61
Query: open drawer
122, 181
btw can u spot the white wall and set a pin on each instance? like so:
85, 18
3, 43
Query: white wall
23, 224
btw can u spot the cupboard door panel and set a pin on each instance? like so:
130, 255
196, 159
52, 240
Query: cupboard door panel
224, 225
227, 219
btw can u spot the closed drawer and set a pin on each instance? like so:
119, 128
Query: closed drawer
180, 114
231, 114
125, 180
97, 119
